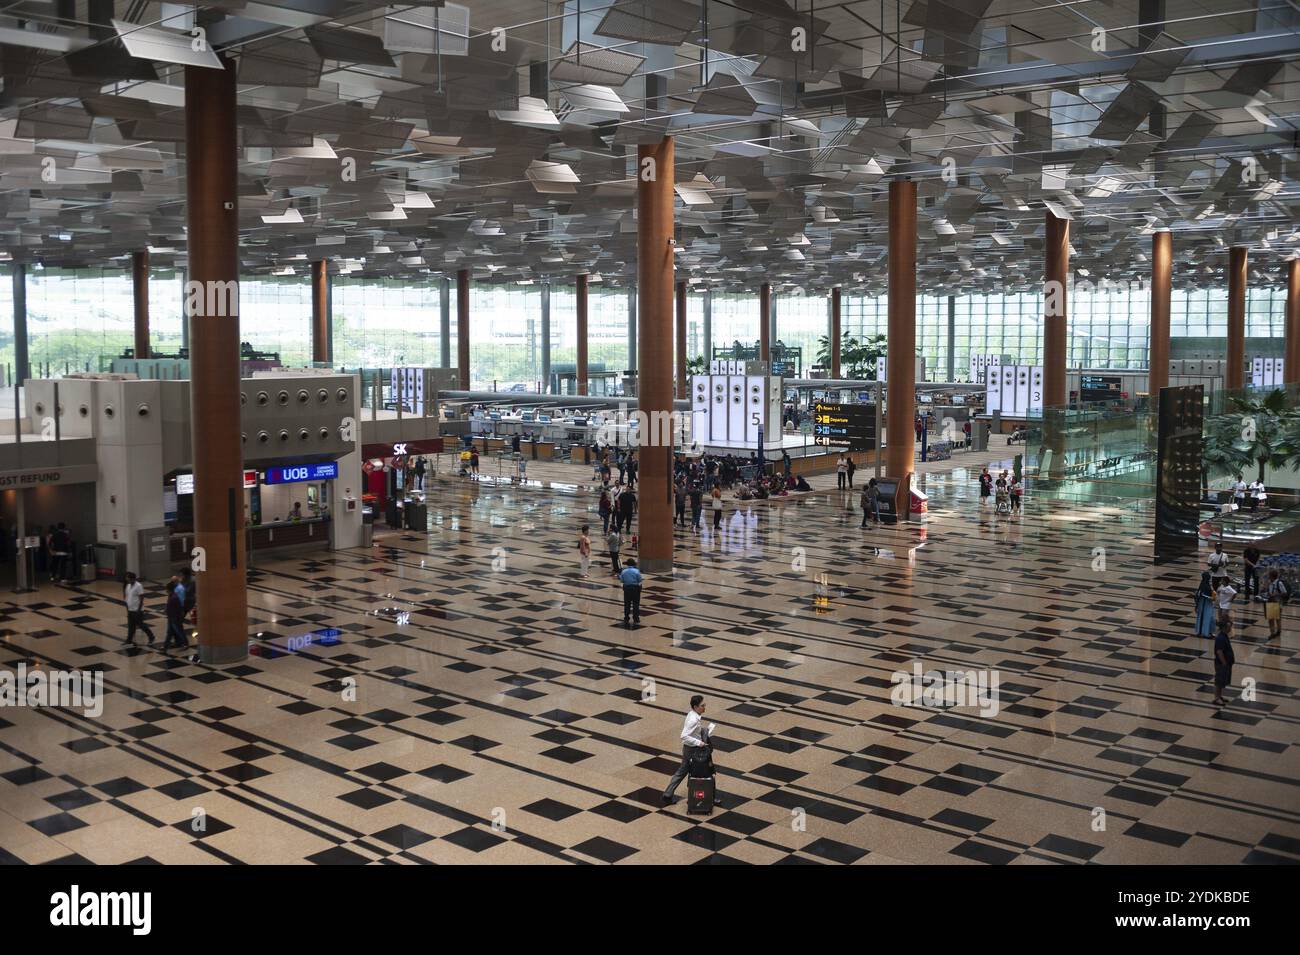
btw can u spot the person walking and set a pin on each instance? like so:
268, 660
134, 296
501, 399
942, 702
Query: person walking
1239, 494
841, 472
523, 469
986, 486
1204, 600
697, 505
189, 599
133, 597
1276, 595
604, 508
849, 468
584, 551
175, 612
1250, 573
1258, 497
632, 468
716, 503
694, 735
614, 543
1223, 595
679, 503
632, 579
1218, 563
420, 467
473, 462
627, 507
1224, 658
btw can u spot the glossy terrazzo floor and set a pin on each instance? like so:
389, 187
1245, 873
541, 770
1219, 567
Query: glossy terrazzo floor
502, 716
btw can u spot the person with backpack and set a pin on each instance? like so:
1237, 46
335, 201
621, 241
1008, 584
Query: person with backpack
1218, 564
614, 543
716, 503
697, 505
695, 736
1275, 595
604, 508
175, 615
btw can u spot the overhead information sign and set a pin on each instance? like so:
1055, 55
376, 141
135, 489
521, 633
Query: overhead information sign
850, 426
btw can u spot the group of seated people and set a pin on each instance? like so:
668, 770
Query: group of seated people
770, 485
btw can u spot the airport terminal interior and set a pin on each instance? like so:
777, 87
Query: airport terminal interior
650, 432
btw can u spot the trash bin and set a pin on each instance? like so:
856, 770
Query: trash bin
367, 534
87, 565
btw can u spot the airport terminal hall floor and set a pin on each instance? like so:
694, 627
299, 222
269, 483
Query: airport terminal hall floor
502, 714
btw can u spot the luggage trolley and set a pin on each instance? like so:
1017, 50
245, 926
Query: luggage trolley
1002, 501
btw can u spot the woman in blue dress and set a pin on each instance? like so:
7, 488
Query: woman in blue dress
1205, 607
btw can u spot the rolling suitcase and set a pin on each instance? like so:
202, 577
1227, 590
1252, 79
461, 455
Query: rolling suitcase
700, 785
699, 795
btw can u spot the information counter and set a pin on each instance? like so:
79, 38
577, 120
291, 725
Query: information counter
264, 538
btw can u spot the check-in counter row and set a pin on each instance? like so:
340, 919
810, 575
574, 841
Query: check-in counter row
261, 538
533, 450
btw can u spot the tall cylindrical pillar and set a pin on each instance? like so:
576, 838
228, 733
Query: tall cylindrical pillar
1056, 309
1162, 266
765, 322
212, 310
444, 322
580, 291
654, 196
321, 347
462, 326
1234, 376
900, 404
140, 300
835, 332
21, 360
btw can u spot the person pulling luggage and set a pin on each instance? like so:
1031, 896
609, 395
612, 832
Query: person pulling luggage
694, 736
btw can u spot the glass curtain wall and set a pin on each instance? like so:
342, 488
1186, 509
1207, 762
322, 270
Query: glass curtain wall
84, 317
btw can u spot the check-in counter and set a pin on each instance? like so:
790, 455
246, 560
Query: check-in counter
263, 538
538, 450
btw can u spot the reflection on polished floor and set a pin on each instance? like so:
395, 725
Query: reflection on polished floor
501, 715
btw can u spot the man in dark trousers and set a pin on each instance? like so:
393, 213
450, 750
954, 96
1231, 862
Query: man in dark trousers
627, 507
175, 615
133, 595
694, 734
632, 579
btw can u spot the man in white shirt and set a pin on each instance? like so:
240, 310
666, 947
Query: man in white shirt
133, 595
694, 734
1239, 493
1218, 564
1257, 495
1223, 600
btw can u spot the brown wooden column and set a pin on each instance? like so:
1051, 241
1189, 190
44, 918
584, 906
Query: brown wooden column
835, 332
1235, 375
682, 389
765, 322
462, 326
1291, 366
900, 406
212, 197
140, 296
1056, 310
1162, 264
581, 295
321, 346
654, 228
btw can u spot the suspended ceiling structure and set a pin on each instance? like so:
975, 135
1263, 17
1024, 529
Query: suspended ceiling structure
500, 136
